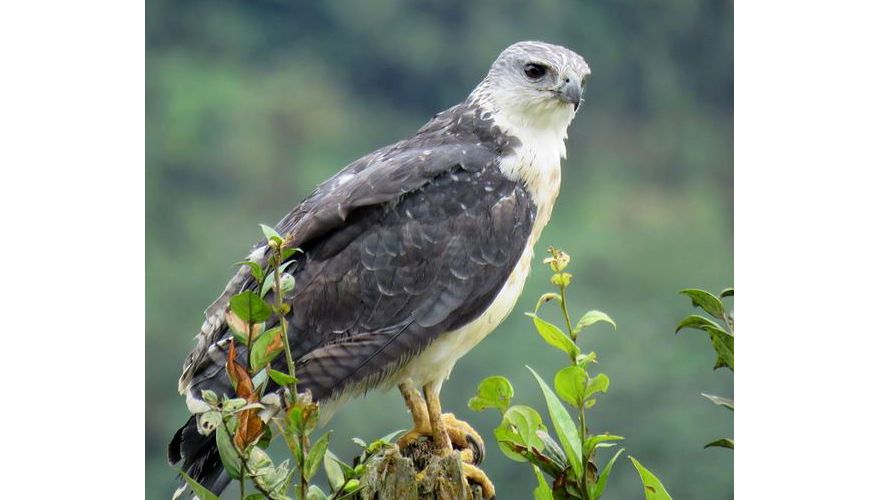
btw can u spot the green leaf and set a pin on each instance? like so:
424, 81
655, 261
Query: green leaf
202, 492
654, 489
555, 337
583, 360
722, 443
599, 488
389, 438
302, 419
696, 322
259, 379
561, 280
493, 392
250, 307
718, 400
316, 455
509, 442
527, 422
233, 405
593, 317
564, 426
727, 292
269, 284
255, 496
705, 301
281, 378
259, 460
228, 454
352, 485
315, 493
335, 475
553, 453
518, 433
239, 336
593, 441
599, 383
547, 297
722, 342
543, 491
266, 348
270, 232
289, 252
210, 397
571, 384
256, 270
288, 283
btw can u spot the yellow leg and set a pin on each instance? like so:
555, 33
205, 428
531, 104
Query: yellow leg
419, 412
435, 415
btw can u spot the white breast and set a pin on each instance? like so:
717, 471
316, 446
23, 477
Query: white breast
537, 164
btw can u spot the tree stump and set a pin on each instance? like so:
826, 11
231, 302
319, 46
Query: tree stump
417, 474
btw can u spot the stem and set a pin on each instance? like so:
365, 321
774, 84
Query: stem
240, 482
279, 303
582, 420
250, 340
582, 415
303, 482
564, 306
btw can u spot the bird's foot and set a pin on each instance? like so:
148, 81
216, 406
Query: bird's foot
464, 439
412, 437
475, 475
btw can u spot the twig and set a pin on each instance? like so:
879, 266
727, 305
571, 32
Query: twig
279, 305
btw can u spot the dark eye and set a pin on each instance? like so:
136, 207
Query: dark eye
535, 71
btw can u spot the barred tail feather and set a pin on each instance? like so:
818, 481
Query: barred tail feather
197, 455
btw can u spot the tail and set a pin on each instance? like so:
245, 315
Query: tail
200, 459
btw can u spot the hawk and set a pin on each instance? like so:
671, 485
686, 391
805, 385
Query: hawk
412, 254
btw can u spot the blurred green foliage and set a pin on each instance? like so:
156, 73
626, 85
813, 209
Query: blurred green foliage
285, 93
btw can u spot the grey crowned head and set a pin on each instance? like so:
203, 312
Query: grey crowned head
534, 79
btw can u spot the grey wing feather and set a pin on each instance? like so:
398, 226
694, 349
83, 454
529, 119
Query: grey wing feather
427, 265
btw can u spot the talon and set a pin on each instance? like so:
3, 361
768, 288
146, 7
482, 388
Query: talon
465, 439
475, 475
412, 437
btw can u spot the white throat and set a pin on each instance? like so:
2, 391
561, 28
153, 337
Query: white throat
541, 131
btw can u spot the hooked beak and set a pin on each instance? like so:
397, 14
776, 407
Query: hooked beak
570, 91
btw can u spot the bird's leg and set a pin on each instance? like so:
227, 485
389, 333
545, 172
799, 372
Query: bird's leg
416, 405
438, 427
446, 426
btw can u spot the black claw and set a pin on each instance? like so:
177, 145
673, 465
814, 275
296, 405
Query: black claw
477, 448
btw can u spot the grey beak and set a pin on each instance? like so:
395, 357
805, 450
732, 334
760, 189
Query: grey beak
570, 91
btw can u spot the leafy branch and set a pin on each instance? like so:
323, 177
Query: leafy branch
569, 459
241, 421
721, 337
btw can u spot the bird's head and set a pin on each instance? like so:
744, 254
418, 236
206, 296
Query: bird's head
535, 85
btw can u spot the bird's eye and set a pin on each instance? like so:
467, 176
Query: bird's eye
535, 71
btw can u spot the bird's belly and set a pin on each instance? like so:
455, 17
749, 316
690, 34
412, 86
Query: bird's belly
435, 363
